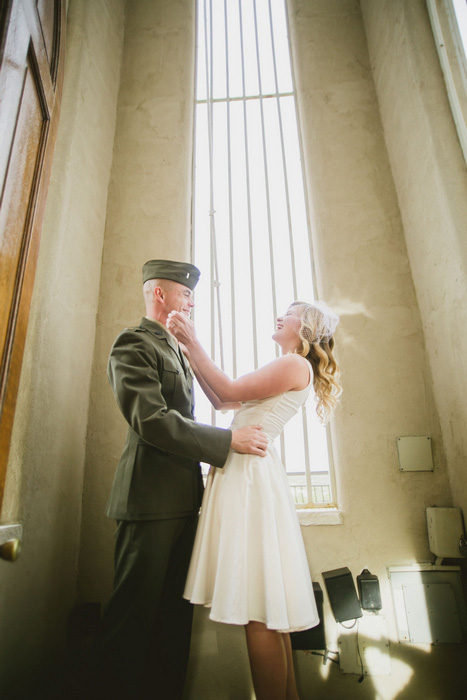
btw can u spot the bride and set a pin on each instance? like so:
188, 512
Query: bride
249, 563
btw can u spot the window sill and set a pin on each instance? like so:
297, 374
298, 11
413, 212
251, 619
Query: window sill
319, 516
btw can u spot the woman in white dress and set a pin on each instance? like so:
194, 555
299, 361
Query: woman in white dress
249, 563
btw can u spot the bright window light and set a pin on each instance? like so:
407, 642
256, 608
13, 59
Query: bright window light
460, 10
251, 232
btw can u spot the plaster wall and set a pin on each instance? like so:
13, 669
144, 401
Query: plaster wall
45, 474
430, 177
148, 216
363, 269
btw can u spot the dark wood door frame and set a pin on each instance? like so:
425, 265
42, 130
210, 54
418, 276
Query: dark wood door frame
32, 52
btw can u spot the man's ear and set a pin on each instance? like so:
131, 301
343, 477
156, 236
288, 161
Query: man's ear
159, 294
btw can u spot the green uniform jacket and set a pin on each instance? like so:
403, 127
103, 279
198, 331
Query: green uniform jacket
158, 475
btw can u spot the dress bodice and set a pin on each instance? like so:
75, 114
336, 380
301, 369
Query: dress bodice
273, 412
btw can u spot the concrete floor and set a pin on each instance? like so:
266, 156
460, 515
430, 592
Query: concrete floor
418, 672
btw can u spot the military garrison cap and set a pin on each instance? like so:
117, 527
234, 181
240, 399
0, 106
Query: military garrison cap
181, 272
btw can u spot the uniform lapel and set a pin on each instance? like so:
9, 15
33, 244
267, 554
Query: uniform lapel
160, 332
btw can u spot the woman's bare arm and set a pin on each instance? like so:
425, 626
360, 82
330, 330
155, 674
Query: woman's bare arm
287, 373
211, 395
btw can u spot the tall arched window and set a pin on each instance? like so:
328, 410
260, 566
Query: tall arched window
250, 220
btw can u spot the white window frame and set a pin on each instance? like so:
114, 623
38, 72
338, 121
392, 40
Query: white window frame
452, 56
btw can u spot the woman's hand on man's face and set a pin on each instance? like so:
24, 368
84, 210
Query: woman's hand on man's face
181, 327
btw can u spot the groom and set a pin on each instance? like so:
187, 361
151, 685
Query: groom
143, 642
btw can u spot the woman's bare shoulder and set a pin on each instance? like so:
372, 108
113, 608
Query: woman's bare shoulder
293, 360
297, 368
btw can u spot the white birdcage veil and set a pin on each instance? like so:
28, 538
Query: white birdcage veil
315, 323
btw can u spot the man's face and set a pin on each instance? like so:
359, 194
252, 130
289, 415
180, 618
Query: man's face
177, 297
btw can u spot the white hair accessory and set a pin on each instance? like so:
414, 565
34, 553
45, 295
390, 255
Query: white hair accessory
315, 323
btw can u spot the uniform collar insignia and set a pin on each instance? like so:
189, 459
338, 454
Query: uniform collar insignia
157, 329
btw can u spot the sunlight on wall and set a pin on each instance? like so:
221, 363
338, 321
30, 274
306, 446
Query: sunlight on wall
401, 672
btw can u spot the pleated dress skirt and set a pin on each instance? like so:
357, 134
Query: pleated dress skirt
249, 561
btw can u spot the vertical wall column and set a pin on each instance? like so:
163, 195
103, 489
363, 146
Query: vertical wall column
148, 216
431, 182
363, 270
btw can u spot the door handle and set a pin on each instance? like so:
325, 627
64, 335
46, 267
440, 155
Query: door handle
10, 542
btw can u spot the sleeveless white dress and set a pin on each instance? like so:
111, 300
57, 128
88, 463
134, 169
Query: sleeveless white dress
249, 560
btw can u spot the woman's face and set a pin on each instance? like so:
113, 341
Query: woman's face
287, 328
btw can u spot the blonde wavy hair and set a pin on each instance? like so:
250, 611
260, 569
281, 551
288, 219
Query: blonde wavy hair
317, 348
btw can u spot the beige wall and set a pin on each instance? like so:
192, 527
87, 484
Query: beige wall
45, 475
363, 270
430, 176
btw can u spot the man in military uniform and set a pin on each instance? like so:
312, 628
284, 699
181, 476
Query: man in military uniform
143, 642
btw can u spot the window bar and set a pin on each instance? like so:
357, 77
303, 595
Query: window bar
266, 176
247, 176
268, 96
193, 164
215, 284
331, 472
313, 277
284, 163
268, 204
216, 280
208, 67
289, 221
302, 161
306, 444
193, 161
229, 176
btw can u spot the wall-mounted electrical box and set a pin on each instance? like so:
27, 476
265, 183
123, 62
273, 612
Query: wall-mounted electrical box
415, 454
445, 528
365, 647
428, 603
342, 594
368, 591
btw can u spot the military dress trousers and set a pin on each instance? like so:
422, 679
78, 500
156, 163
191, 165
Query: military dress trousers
158, 475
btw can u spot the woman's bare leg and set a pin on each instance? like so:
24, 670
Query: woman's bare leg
270, 655
268, 661
292, 693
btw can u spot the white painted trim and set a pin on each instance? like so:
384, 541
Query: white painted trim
454, 99
319, 516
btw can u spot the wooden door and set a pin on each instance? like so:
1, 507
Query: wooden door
32, 34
